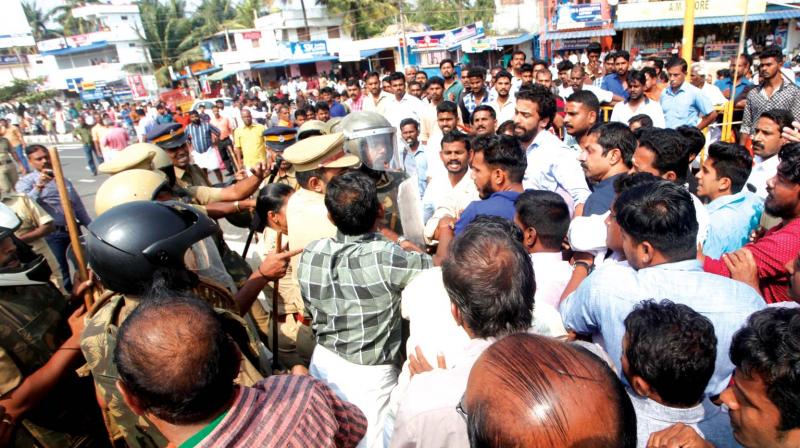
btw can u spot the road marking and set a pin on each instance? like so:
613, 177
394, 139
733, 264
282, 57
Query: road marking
87, 181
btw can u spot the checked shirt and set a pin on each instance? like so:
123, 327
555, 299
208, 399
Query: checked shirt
352, 285
786, 97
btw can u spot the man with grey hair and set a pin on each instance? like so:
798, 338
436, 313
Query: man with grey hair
411, 73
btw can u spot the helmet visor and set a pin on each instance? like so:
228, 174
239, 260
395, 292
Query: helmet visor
377, 148
197, 258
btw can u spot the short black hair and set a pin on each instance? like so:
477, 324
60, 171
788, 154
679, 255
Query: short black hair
327, 90
434, 80
322, 105
446, 61
504, 152
673, 348
747, 58
407, 121
650, 71
609, 57
769, 346
622, 54
414, 83
587, 98
616, 135
272, 197
304, 177
505, 126
397, 76
192, 388
422, 72
457, 136
547, 213
771, 51
542, 97
565, 65
594, 48
448, 107
352, 201
732, 161
663, 214
782, 117
536, 62
695, 140
627, 181
670, 149
36, 147
789, 166
677, 62
372, 75
476, 72
643, 119
658, 62
353, 82
489, 278
503, 74
526, 67
638, 76
516, 52
485, 108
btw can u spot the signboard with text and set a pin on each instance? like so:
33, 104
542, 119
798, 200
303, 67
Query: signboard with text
631, 12
309, 48
443, 41
567, 15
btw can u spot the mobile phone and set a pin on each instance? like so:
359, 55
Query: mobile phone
49, 172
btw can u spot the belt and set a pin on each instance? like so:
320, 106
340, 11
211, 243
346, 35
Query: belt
298, 317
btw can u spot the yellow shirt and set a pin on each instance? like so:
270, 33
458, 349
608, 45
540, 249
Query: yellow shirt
250, 139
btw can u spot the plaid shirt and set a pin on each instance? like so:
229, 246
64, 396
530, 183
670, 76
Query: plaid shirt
489, 95
786, 97
352, 286
200, 135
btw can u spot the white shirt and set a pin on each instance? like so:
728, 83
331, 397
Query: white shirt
506, 111
552, 274
623, 112
379, 106
713, 94
763, 170
604, 96
434, 145
407, 107
443, 199
552, 166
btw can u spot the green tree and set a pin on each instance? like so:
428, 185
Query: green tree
444, 14
38, 19
363, 18
168, 33
244, 12
70, 24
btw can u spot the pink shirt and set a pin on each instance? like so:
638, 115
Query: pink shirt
116, 139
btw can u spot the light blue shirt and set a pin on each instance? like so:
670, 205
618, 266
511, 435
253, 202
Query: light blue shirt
684, 107
730, 220
604, 299
417, 163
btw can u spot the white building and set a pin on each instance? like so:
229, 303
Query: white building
512, 16
98, 56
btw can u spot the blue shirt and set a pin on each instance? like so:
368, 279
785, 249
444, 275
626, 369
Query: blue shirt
684, 107
601, 198
337, 110
417, 163
613, 84
163, 119
731, 218
498, 204
200, 135
726, 83
602, 301
50, 201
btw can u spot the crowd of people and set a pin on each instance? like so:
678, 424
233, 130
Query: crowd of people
445, 262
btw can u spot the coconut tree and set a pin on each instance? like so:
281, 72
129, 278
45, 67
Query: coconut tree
38, 20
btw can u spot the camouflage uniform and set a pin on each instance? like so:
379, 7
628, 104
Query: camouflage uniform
32, 327
98, 342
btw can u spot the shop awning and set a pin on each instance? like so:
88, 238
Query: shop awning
268, 64
75, 50
560, 35
509, 41
219, 76
208, 71
370, 53
769, 15
285, 62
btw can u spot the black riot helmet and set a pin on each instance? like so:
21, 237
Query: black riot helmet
129, 243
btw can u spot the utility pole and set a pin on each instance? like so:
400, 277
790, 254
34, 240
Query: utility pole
403, 29
460, 12
305, 18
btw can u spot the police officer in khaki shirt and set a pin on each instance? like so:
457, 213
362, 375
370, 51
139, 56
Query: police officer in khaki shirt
278, 138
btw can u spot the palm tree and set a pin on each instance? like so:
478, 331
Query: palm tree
244, 12
364, 18
168, 33
38, 19
71, 25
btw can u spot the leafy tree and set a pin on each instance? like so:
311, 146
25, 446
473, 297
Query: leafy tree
444, 14
37, 19
25, 91
363, 18
71, 25
244, 12
168, 33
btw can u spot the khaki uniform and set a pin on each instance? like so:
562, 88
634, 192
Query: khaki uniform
288, 178
296, 341
196, 183
98, 342
32, 216
8, 169
32, 327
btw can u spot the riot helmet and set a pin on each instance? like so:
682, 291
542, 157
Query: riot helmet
373, 139
129, 243
19, 264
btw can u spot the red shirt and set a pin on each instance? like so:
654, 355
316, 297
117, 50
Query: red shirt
777, 247
183, 119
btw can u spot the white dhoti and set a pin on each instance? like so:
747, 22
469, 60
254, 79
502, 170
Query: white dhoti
368, 387
209, 160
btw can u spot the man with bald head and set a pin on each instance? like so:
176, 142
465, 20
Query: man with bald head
533, 391
187, 390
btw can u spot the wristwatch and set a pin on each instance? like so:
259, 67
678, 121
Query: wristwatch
589, 266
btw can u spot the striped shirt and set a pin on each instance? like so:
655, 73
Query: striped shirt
288, 410
352, 285
786, 97
200, 136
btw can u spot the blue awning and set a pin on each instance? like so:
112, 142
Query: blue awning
769, 15
560, 35
268, 64
509, 41
370, 53
75, 50
285, 62
208, 71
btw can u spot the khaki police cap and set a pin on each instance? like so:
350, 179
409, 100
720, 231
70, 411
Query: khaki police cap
136, 156
128, 186
333, 125
320, 151
311, 128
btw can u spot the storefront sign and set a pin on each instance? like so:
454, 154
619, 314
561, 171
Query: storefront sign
78, 40
309, 48
443, 41
252, 35
632, 12
571, 44
137, 86
479, 45
568, 15
429, 41
464, 32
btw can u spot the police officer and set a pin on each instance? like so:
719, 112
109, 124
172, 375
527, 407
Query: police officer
135, 156
311, 128
278, 138
46, 403
131, 259
8, 171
